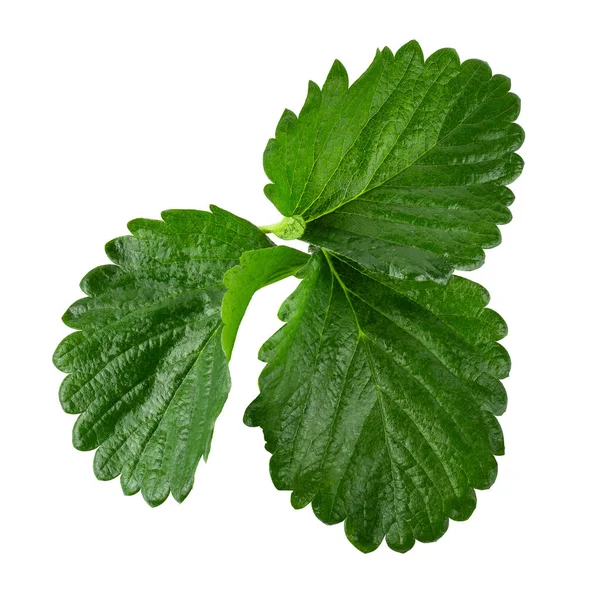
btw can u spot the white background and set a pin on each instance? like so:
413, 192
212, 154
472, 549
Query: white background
113, 110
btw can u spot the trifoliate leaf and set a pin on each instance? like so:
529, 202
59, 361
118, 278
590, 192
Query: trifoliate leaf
380, 394
147, 370
257, 269
403, 171
378, 401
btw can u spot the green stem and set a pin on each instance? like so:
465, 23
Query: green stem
289, 228
269, 228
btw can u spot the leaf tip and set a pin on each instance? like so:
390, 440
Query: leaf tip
412, 47
249, 415
81, 440
446, 59
114, 250
180, 493
337, 73
153, 501
386, 52
358, 539
463, 507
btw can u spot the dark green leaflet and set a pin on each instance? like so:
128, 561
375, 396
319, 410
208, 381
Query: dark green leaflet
403, 171
417, 234
378, 401
147, 370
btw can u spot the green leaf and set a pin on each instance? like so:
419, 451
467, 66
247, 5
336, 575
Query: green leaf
148, 374
378, 401
257, 269
380, 394
404, 171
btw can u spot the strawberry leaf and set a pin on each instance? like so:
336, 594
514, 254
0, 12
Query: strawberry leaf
148, 374
403, 171
378, 402
379, 397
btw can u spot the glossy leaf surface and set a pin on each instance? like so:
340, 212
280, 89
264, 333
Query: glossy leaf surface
378, 401
403, 171
148, 374
380, 394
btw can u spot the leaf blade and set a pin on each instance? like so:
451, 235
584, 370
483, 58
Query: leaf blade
408, 130
378, 407
146, 372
